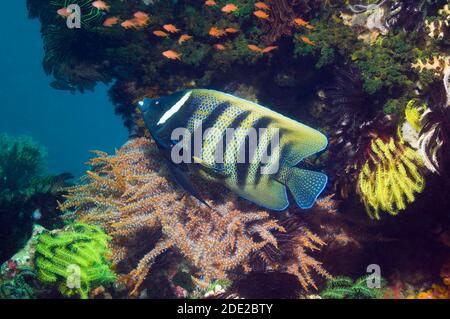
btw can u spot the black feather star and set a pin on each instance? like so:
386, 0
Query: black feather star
435, 134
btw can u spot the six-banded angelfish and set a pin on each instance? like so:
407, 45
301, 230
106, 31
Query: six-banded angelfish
258, 169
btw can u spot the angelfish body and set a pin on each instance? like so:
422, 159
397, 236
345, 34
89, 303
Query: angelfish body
252, 179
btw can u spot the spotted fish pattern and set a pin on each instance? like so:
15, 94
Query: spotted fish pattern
251, 173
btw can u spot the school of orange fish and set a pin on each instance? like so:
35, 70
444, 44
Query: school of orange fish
141, 19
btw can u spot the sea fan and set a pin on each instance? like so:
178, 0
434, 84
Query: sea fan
128, 194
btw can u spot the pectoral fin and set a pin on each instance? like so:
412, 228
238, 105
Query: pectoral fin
179, 172
181, 178
210, 168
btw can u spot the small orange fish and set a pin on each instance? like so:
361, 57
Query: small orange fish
63, 12
160, 34
269, 48
101, 5
262, 6
231, 30
210, 3
216, 32
261, 14
254, 48
141, 16
127, 24
172, 55
307, 40
219, 47
229, 8
171, 28
184, 38
302, 23
110, 22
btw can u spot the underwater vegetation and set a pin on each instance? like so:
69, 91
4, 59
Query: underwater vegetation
347, 288
26, 192
75, 253
130, 196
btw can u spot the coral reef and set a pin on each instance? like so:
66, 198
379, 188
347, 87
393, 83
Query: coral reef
74, 259
129, 193
373, 75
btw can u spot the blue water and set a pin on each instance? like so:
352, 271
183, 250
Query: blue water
67, 125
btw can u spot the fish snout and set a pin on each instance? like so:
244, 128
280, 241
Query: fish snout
145, 104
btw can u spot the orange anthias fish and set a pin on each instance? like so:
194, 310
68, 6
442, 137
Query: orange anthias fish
172, 55
63, 12
269, 48
307, 40
216, 32
184, 38
141, 19
141, 16
255, 48
110, 22
231, 30
210, 3
262, 6
302, 23
261, 14
160, 34
219, 47
127, 24
101, 5
171, 28
229, 8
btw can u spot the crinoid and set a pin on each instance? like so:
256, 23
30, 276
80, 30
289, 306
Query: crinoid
282, 16
435, 133
407, 14
128, 193
353, 124
89, 13
390, 177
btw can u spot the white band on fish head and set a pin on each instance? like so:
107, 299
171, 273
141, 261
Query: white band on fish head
174, 109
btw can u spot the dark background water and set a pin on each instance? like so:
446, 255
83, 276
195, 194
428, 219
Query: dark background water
67, 125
